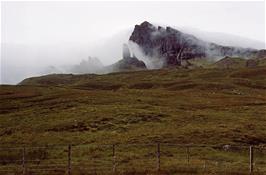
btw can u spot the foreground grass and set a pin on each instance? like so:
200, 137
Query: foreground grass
198, 107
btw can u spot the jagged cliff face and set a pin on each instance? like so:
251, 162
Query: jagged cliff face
174, 46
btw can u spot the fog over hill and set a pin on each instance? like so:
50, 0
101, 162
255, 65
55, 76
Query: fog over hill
224, 39
35, 42
62, 57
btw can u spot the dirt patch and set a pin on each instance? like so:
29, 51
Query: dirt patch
100, 86
186, 86
76, 127
250, 84
249, 73
175, 83
215, 86
19, 95
142, 86
250, 140
8, 109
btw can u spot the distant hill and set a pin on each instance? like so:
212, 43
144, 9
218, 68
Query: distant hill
230, 62
237, 62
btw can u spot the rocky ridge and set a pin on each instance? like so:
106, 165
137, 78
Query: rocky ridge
174, 46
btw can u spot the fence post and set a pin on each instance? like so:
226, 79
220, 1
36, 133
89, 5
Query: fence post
251, 159
23, 160
69, 160
114, 161
158, 157
204, 165
188, 155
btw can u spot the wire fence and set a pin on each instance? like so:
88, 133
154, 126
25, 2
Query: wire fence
159, 158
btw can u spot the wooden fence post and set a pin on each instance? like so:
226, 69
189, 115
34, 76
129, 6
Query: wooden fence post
158, 157
188, 155
69, 160
114, 161
23, 160
251, 159
205, 165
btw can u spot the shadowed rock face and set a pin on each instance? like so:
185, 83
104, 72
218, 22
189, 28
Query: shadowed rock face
175, 46
128, 63
126, 52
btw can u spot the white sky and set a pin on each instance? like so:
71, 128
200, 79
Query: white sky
58, 33
45, 22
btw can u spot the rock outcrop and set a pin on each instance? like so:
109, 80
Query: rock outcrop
126, 52
128, 63
174, 46
230, 62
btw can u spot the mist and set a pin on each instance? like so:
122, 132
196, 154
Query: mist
54, 37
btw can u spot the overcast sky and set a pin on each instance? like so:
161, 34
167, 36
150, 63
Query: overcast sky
45, 22
40, 29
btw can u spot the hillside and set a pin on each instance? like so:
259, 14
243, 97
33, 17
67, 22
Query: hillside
209, 106
171, 106
230, 62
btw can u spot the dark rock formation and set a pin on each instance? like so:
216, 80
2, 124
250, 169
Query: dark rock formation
126, 52
128, 63
175, 46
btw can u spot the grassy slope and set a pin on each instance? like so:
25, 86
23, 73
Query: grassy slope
206, 106
200, 106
